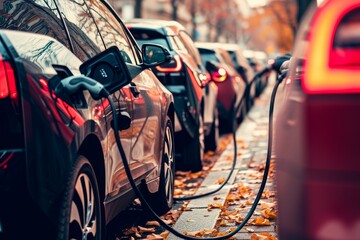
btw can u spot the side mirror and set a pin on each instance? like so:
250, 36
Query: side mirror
108, 68
154, 55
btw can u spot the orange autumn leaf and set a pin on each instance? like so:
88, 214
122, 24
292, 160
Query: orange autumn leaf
261, 222
268, 213
154, 237
146, 230
222, 224
178, 192
195, 234
152, 223
165, 234
262, 236
215, 205
220, 181
265, 205
233, 197
130, 231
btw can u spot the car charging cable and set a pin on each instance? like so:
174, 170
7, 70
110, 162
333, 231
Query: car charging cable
77, 83
233, 132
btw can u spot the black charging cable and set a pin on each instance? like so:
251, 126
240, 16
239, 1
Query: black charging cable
257, 198
97, 91
259, 74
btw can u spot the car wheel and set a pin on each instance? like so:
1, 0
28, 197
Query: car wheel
162, 200
193, 150
80, 215
211, 141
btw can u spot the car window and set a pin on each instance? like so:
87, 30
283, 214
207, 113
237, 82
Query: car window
43, 51
189, 45
84, 34
348, 32
346, 44
111, 30
148, 36
208, 55
37, 16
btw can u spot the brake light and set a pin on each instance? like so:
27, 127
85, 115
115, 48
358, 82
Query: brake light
220, 75
174, 66
7, 80
323, 72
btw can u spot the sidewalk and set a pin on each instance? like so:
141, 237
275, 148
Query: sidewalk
224, 210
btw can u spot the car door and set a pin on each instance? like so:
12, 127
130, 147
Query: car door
144, 91
84, 29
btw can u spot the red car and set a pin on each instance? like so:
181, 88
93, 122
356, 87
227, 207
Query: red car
231, 87
317, 128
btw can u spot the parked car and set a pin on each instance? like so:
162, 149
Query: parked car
196, 115
317, 127
258, 60
244, 69
231, 87
61, 174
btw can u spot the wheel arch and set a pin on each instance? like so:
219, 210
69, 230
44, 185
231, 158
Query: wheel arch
92, 150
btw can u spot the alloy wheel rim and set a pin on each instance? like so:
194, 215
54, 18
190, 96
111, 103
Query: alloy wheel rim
201, 137
169, 166
83, 216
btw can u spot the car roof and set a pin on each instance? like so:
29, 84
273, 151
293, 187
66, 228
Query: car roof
171, 27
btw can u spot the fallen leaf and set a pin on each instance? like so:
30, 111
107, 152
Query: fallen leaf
152, 223
215, 205
249, 229
178, 192
220, 181
194, 234
216, 198
130, 231
223, 224
268, 213
261, 222
262, 236
146, 230
265, 205
154, 237
239, 220
165, 234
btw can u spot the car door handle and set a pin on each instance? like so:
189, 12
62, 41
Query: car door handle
134, 90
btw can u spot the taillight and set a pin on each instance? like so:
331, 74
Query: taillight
174, 66
7, 80
330, 68
220, 75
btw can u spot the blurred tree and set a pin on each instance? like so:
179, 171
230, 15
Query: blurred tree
174, 6
221, 17
273, 27
302, 7
138, 9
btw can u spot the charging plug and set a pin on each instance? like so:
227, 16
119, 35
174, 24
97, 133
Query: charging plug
74, 84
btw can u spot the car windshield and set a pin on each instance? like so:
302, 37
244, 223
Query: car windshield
208, 56
148, 36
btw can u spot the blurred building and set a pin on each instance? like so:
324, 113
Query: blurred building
153, 9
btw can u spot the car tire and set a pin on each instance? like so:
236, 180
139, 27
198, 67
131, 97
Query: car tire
211, 140
81, 215
162, 200
193, 150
